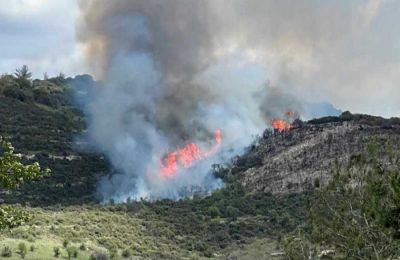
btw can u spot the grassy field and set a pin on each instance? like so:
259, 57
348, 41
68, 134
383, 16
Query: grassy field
228, 222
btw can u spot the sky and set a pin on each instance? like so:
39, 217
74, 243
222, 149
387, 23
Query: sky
40, 34
355, 66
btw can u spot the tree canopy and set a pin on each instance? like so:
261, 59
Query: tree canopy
13, 173
23, 73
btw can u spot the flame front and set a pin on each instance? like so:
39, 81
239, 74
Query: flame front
188, 155
282, 125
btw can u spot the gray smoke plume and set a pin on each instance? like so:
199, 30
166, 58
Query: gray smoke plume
174, 71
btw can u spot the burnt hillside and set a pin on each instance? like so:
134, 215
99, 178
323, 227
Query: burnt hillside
294, 161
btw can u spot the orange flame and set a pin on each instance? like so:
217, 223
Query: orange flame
185, 157
281, 125
290, 113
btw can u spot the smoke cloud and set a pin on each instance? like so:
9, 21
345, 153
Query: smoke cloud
174, 71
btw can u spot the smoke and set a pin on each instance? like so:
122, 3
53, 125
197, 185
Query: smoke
174, 71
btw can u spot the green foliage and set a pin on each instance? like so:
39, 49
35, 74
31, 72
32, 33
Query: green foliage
22, 249
12, 172
113, 253
72, 252
23, 72
213, 211
11, 217
17, 93
232, 212
48, 134
32, 248
98, 256
82, 247
126, 253
57, 252
23, 77
65, 243
6, 252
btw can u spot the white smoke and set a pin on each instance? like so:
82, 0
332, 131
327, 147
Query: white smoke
176, 70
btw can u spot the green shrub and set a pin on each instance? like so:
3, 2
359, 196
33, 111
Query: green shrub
113, 253
82, 247
22, 249
6, 252
57, 251
72, 252
32, 248
126, 253
16, 93
213, 212
65, 243
98, 256
232, 212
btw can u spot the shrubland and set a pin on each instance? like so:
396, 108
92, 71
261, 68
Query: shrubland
354, 216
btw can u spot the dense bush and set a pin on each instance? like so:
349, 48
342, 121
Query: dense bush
17, 93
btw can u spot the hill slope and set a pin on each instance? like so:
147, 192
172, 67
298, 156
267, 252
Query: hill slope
295, 160
242, 220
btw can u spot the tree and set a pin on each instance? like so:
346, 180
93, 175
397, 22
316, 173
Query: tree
23, 72
23, 77
12, 174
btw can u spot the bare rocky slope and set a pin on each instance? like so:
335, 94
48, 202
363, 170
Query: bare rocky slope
296, 160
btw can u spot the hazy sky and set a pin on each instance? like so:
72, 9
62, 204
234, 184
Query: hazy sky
40, 34
357, 65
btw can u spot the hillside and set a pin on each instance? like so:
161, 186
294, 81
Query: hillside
65, 207
265, 198
294, 161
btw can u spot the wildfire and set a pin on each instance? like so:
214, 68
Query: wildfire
186, 156
281, 125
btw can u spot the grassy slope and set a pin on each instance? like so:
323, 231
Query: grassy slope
229, 222
166, 230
